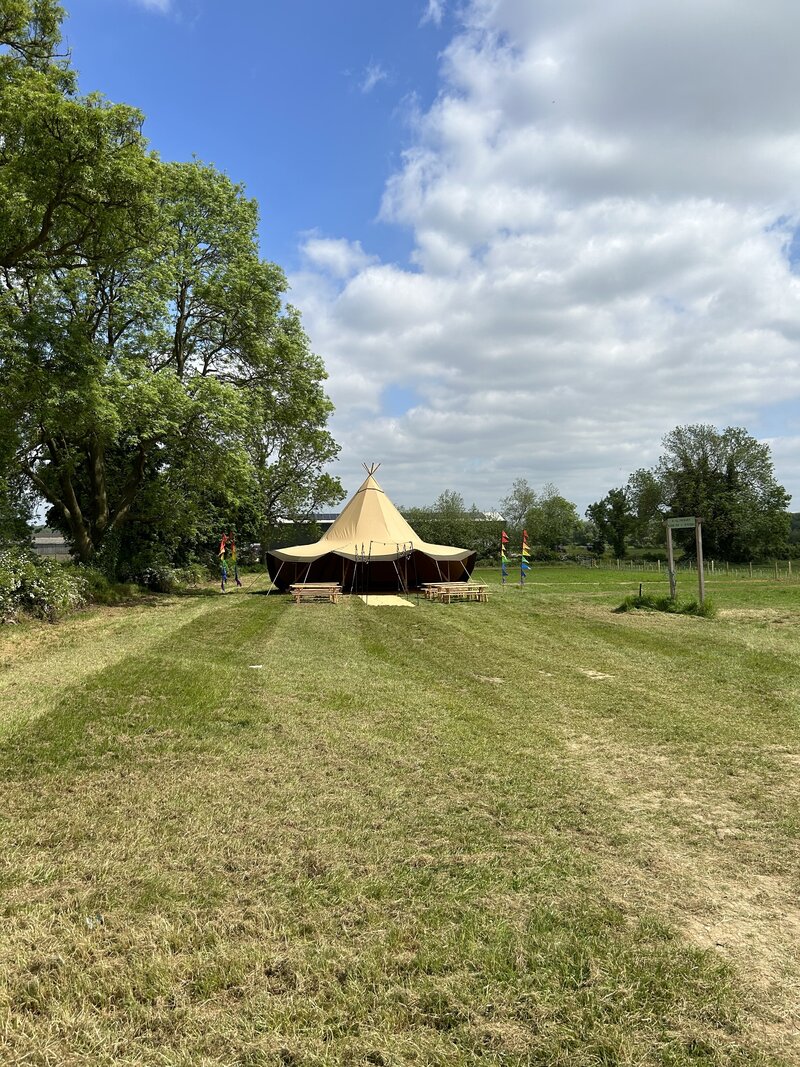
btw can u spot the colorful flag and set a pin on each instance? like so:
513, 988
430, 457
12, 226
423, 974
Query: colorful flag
235, 564
504, 539
524, 566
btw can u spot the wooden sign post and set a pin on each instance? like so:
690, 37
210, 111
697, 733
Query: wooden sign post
686, 522
673, 590
698, 540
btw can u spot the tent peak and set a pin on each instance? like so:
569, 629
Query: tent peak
371, 468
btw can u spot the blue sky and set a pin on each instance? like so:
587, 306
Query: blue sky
307, 102
528, 239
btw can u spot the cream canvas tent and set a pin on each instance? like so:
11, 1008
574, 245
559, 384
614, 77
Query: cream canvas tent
370, 547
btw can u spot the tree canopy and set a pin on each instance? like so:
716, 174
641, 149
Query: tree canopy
448, 521
155, 381
726, 477
614, 519
550, 519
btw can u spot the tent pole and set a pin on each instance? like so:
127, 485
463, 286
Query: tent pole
369, 569
274, 583
416, 576
397, 572
355, 567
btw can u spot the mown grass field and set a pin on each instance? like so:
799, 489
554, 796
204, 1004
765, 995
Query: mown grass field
240, 832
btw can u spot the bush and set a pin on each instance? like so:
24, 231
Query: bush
192, 575
35, 586
159, 578
540, 554
99, 589
649, 602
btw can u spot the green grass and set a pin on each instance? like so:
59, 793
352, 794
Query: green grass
528, 832
664, 602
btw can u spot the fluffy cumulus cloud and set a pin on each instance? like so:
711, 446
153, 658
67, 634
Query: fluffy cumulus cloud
337, 257
603, 200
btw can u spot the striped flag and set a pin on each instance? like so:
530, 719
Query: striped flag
524, 565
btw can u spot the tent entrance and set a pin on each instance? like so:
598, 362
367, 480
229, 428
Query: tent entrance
370, 575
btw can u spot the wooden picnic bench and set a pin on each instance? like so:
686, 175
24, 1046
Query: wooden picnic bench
331, 592
449, 591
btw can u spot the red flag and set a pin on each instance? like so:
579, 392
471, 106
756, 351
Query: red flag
505, 538
222, 544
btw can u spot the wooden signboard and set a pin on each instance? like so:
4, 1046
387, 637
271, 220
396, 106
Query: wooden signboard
686, 522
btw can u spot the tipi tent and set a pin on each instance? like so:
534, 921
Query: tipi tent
370, 547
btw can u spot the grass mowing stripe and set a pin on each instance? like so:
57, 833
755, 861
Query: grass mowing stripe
177, 688
81, 645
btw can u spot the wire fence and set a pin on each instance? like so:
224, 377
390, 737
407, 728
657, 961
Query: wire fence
777, 569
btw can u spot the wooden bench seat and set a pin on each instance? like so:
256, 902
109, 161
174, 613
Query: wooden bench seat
446, 592
330, 592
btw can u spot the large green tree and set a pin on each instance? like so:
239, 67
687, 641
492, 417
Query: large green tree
552, 520
727, 478
149, 372
516, 506
614, 520
145, 382
645, 495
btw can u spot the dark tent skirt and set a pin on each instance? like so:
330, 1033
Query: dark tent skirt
376, 576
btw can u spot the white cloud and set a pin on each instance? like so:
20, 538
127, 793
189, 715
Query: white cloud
335, 256
162, 6
373, 75
434, 13
601, 197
